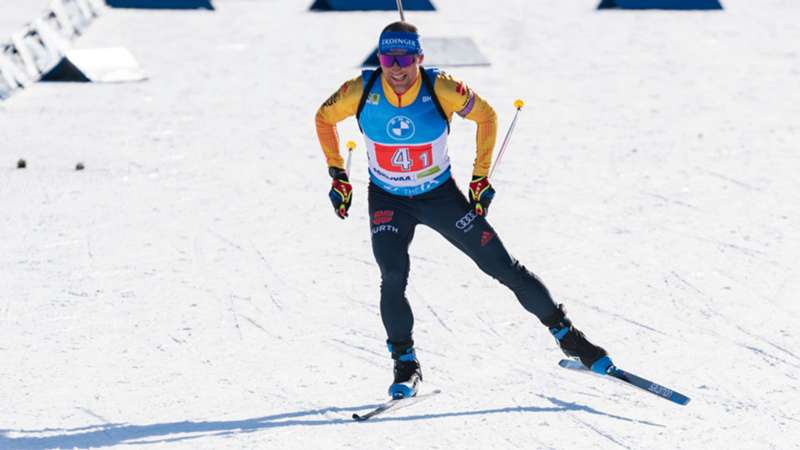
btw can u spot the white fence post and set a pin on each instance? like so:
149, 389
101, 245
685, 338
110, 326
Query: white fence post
84, 8
12, 73
64, 21
24, 54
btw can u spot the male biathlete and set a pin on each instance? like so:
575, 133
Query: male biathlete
404, 111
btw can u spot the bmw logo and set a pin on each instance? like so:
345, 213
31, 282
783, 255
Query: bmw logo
400, 128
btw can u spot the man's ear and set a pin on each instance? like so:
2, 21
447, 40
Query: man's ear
421, 58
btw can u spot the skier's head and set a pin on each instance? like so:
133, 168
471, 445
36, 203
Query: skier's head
400, 54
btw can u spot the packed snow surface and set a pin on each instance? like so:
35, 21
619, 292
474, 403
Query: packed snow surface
192, 288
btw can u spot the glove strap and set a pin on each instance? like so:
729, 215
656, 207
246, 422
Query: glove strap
337, 173
478, 186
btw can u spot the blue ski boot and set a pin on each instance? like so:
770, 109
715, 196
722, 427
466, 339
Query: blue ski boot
407, 372
575, 345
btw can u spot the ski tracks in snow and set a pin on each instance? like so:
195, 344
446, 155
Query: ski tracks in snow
598, 431
772, 344
419, 297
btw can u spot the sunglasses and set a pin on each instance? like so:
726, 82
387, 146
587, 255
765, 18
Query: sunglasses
401, 60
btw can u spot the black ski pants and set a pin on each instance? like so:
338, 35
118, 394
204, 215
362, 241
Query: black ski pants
445, 209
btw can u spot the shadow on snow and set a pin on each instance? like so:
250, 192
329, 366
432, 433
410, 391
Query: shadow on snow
107, 435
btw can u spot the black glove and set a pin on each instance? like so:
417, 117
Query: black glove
341, 193
481, 194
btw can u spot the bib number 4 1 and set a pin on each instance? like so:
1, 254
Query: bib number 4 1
404, 158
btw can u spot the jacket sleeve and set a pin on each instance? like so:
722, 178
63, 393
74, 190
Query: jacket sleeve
456, 97
339, 106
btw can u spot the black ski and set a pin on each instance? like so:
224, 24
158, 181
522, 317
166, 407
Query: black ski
393, 404
632, 380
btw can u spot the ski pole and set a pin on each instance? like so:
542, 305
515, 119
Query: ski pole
350, 147
400, 10
518, 103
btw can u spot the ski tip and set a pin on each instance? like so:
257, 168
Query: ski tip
357, 418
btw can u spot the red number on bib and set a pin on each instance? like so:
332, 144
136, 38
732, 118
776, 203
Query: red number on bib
404, 158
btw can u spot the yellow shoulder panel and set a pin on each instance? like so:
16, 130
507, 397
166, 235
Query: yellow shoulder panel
339, 106
453, 94
456, 97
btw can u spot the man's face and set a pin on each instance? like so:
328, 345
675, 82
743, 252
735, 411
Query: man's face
400, 78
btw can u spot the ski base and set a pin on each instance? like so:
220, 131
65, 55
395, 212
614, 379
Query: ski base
393, 404
632, 380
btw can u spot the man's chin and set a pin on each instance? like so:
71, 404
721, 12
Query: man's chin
398, 78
